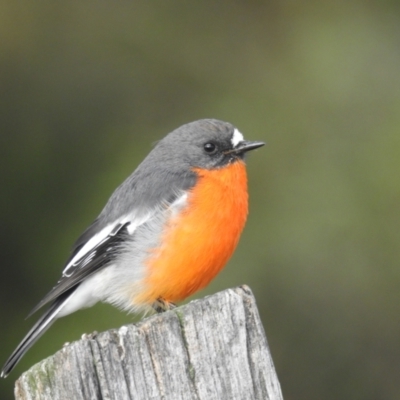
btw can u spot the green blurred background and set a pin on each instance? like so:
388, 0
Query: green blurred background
86, 87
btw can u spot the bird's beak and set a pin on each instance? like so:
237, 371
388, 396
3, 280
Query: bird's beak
244, 146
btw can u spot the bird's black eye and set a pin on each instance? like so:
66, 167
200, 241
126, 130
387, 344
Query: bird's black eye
210, 148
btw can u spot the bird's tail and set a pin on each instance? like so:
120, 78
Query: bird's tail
41, 326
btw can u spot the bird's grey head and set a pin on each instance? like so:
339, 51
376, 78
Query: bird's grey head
206, 143
169, 167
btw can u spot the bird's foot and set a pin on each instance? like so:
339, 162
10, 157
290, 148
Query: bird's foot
162, 305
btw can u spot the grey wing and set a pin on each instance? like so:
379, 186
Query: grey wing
91, 230
100, 255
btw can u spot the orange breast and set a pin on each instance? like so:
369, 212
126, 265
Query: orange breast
197, 243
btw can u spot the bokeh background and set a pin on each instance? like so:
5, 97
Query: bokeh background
87, 87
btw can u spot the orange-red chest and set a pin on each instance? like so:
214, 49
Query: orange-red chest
197, 243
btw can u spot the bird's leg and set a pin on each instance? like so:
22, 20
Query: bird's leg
162, 305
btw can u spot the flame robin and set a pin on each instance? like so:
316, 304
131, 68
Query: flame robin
164, 233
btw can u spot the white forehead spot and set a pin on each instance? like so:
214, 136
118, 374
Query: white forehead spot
237, 137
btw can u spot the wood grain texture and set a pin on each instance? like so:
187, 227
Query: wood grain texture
214, 348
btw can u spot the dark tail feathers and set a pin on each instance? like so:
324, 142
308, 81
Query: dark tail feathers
41, 326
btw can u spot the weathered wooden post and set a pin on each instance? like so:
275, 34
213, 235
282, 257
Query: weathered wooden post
214, 348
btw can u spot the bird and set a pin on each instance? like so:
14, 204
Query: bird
164, 233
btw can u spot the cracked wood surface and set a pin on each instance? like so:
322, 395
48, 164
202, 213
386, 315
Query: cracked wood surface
213, 348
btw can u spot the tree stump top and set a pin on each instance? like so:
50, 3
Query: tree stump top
213, 348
